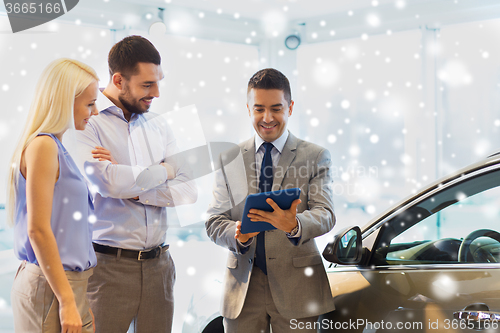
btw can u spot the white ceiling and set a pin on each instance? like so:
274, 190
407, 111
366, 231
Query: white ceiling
238, 20
293, 9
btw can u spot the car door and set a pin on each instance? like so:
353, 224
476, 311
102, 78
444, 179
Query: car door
434, 262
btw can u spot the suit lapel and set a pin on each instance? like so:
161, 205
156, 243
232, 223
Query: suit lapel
249, 160
286, 159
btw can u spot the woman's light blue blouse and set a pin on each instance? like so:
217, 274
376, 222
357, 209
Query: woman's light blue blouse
71, 208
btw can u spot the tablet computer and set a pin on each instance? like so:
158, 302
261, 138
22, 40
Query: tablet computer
283, 199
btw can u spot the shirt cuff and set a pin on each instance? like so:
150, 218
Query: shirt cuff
148, 198
244, 246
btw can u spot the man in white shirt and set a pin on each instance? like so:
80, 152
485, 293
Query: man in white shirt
135, 275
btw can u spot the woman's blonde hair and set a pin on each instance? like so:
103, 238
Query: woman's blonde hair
50, 112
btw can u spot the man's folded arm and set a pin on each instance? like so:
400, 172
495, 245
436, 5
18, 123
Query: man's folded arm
175, 192
182, 189
113, 180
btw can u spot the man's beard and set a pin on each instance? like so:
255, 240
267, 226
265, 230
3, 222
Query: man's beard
129, 104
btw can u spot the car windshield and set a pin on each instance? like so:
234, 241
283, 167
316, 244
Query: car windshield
458, 224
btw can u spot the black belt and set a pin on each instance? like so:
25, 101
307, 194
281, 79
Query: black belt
139, 255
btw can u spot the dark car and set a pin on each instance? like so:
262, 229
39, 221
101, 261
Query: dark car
429, 264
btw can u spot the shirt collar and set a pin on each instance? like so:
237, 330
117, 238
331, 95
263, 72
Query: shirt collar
279, 143
103, 103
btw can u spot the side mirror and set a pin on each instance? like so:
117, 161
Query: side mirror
346, 248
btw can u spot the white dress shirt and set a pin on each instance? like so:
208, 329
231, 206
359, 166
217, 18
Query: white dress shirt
138, 146
278, 145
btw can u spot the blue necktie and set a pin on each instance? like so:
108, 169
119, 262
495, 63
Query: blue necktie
265, 185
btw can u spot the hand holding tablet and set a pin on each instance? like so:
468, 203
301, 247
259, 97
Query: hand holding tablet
283, 199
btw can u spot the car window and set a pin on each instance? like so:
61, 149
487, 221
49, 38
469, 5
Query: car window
459, 224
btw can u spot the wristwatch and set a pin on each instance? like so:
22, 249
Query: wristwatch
293, 232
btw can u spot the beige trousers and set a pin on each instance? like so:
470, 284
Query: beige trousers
35, 307
123, 291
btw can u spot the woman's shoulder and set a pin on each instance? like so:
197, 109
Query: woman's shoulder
43, 142
42, 146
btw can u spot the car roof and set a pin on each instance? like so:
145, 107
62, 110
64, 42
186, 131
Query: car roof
494, 154
489, 161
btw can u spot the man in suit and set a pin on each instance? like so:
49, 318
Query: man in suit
274, 278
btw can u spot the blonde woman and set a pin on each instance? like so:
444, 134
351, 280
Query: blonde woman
49, 206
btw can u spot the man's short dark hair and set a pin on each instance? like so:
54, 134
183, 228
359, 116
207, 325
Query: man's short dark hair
270, 78
127, 53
